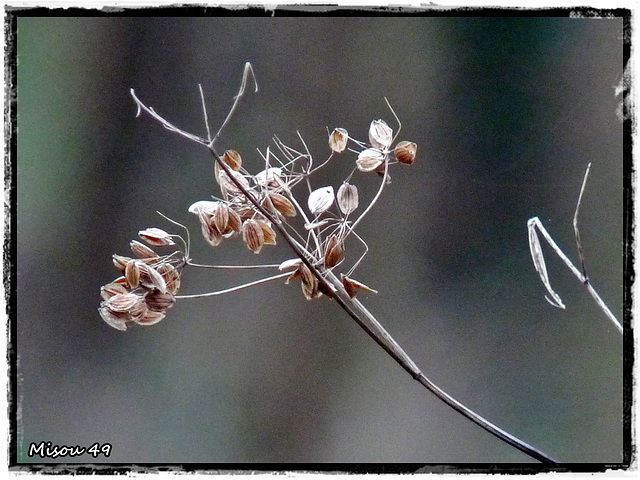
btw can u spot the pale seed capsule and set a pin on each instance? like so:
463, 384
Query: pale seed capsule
253, 235
268, 233
132, 273
110, 289
150, 318
233, 159
347, 198
115, 320
320, 200
209, 230
380, 134
120, 262
171, 277
309, 283
156, 237
206, 206
151, 279
338, 140
281, 203
122, 302
221, 217
234, 224
289, 264
140, 250
369, 159
227, 185
270, 177
406, 152
333, 252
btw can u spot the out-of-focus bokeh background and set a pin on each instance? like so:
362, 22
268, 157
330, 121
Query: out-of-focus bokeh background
507, 113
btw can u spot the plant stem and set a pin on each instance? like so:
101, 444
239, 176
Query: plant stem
375, 330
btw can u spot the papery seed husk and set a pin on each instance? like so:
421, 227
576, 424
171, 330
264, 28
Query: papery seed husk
233, 159
171, 277
347, 198
120, 262
150, 318
158, 301
289, 264
268, 233
204, 206
369, 159
253, 235
121, 302
110, 289
270, 177
234, 224
338, 140
351, 285
209, 230
406, 152
221, 217
156, 237
140, 250
132, 273
282, 204
320, 200
115, 321
139, 310
333, 252
228, 185
151, 279
309, 283
380, 134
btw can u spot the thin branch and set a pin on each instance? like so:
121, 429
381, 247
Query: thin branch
539, 263
235, 289
333, 288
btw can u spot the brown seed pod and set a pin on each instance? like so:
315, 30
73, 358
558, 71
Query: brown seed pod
406, 152
159, 302
253, 235
281, 203
233, 159
333, 252
351, 286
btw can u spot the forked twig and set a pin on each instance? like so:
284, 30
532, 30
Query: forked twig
331, 286
534, 224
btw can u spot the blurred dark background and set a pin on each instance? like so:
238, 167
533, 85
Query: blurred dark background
507, 113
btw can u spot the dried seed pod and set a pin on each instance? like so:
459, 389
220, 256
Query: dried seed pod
406, 152
253, 235
234, 224
132, 273
380, 134
221, 217
156, 237
338, 140
151, 279
151, 317
233, 159
110, 289
332, 252
320, 200
281, 203
369, 159
289, 264
347, 198
268, 233
351, 285
159, 302
228, 186
204, 206
120, 262
171, 277
140, 250
139, 310
309, 283
209, 230
115, 320
122, 302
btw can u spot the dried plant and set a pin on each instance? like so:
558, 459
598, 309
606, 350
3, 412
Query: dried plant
317, 222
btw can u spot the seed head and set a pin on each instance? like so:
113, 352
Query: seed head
347, 198
281, 203
406, 152
156, 237
380, 134
253, 235
338, 140
369, 159
332, 252
140, 250
320, 200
